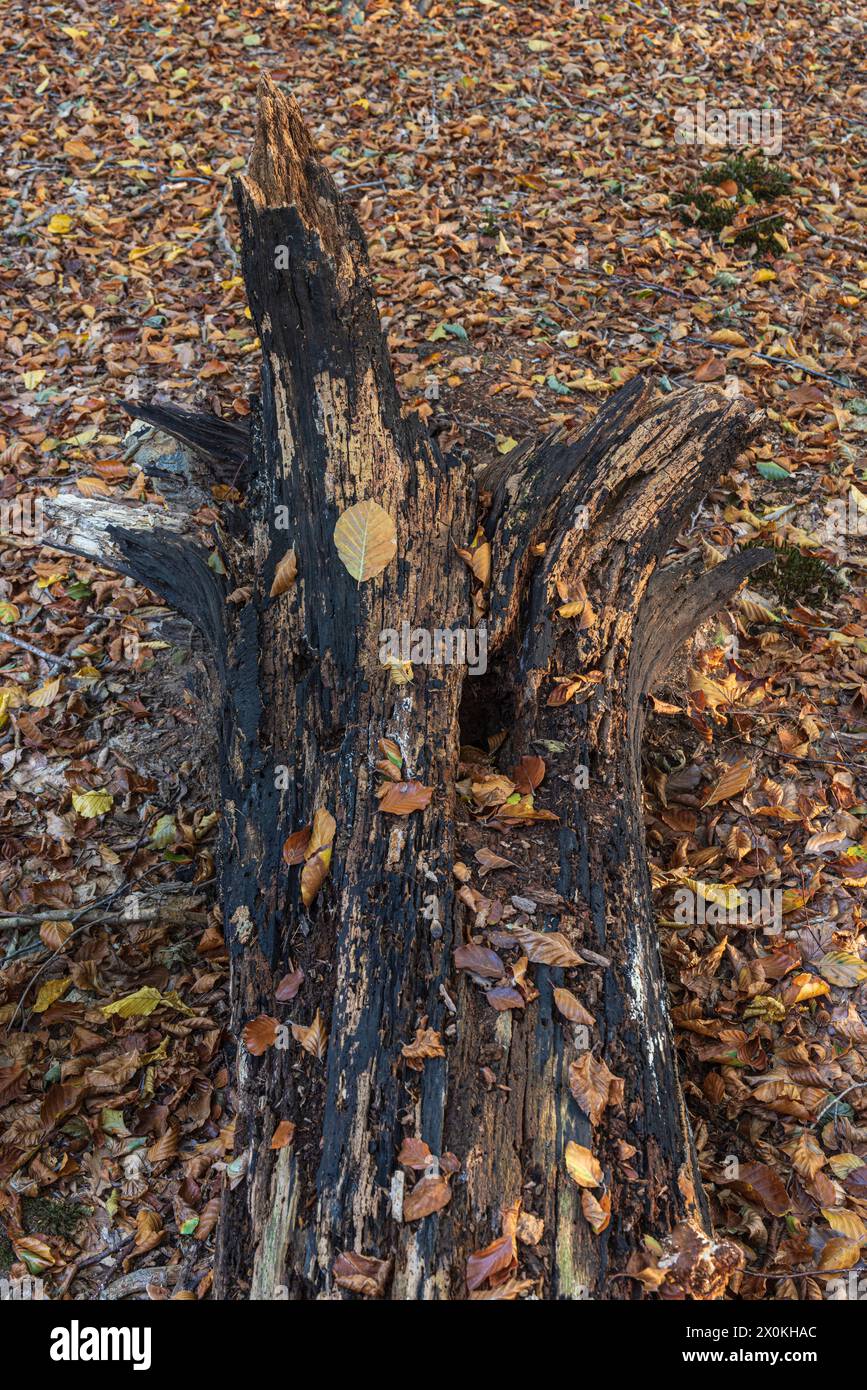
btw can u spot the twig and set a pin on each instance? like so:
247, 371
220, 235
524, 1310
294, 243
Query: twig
59, 914
223, 236
35, 651
138, 1279
72, 1272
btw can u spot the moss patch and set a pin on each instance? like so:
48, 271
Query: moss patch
758, 181
795, 577
43, 1216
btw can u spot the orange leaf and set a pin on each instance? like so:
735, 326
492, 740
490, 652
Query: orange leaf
402, 798
528, 774
295, 846
283, 1135
260, 1034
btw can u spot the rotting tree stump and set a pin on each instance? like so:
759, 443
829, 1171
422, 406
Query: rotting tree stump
302, 701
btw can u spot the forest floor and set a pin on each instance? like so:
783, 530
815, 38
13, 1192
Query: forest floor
538, 235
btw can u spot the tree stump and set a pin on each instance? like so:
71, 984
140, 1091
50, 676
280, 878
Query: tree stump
303, 704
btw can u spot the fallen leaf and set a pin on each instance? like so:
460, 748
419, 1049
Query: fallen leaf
366, 539
260, 1034
402, 798
582, 1167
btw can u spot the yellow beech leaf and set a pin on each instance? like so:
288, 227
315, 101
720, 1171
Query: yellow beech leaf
843, 968
729, 337
93, 487
60, 224
49, 993
582, 1167
94, 803
842, 1165
46, 693
845, 1223
840, 1253
801, 987
366, 539
322, 832
140, 1004
78, 149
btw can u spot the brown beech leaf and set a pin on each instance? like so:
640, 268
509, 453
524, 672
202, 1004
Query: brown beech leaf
731, 783
402, 798
547, 948
571, 1008
507, 1292
93, 487
54, 935
260, 1034
361, 1273
481, 960
314, 874
389, 768
596, 1210
284, 574
295, 846
165, 1147
490, 861
711, 369
289, 986
806, 1155
582, 1167
415, 1154
426, 1043
566, 688
313, 1039
594, 1086
35, 1248
500, 1255
208, 1218
59, 1101
504, 997
149, 1230
478, 557
758, 1182
283, 1135
428, 1195
366, 539
528, 774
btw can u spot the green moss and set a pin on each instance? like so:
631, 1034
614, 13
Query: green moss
43, 1216
796, 577
758, 181
758, 177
